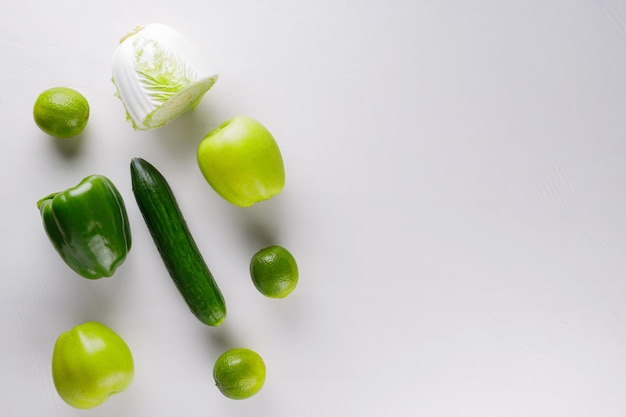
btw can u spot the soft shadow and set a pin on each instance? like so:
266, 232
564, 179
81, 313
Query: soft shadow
181, 136
82, 298
220, 339
68, 147
261, 223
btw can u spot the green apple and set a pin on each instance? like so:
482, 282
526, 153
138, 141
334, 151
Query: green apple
89, 364
242, 162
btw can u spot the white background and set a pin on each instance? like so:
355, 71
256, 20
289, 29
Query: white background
455, 198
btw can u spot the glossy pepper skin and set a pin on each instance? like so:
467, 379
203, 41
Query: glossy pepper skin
88, 226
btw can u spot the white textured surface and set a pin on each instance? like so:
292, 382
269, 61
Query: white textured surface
455, 198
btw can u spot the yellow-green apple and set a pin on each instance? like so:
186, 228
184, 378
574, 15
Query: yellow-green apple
242, 162
89, 364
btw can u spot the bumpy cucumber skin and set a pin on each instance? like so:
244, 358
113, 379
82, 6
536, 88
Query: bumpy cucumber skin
175, 244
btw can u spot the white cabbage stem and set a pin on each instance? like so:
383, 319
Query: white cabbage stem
159, 75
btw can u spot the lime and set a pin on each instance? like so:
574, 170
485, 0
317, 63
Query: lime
239, 373
274, 271
61, 112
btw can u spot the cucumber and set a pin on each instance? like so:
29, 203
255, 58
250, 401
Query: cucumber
175, 244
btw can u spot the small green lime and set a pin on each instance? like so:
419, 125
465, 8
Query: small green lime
61, 112
239, 373
274, 271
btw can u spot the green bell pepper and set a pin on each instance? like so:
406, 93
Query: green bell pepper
88, 226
